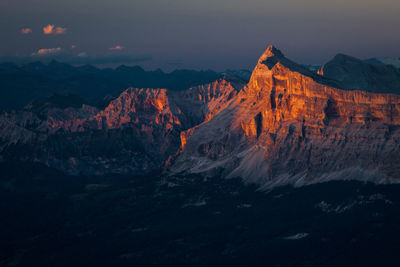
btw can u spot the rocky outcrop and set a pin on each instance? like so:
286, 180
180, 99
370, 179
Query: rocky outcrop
137, 132
290, 125
203, 102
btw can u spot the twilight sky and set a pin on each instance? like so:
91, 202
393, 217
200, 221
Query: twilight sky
200, 34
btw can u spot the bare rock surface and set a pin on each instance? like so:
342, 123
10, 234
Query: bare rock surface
292, 126
288, 125
137, 132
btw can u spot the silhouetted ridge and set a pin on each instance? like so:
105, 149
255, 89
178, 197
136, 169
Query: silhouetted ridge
20, 85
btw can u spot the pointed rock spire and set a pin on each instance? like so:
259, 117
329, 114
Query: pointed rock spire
271, 51
273, 57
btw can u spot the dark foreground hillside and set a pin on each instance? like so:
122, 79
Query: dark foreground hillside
48, 219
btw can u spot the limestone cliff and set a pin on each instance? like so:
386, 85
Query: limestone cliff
289, 125
137, 132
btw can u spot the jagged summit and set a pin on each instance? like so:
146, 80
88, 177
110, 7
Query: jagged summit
274, 61
271, 52
292, 126
273, 56
287, 125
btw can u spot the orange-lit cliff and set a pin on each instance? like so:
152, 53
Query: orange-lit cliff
139, 131
290, 125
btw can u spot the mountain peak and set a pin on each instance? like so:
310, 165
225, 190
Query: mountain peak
271, 52
274, 61
273, 49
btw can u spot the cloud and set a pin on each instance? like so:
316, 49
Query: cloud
26, 30
48, 29
51, 29
60, 30
116, 48
47, 51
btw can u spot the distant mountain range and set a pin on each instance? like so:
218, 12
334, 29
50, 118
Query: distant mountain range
21, 84
394, 61
285, 125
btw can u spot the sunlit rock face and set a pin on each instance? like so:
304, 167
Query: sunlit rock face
139, 106
292, 126
288, 125
203, 102
137, 132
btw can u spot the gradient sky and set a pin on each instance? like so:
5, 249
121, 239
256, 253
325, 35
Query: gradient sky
201, 34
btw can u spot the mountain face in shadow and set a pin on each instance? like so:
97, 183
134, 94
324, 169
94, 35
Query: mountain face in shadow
355, 74
287, 125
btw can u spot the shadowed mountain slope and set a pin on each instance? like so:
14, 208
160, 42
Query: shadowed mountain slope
353, 73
